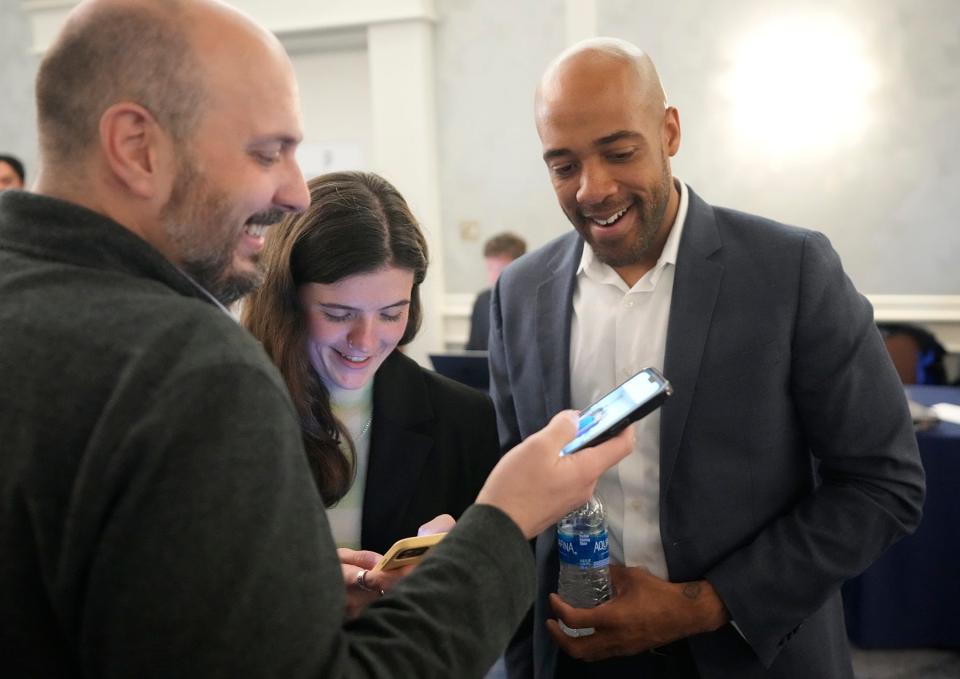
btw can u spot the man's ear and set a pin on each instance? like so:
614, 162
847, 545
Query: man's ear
131, 141
671, 130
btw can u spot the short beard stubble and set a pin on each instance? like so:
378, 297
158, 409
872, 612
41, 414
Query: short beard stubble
633, 248
197, 219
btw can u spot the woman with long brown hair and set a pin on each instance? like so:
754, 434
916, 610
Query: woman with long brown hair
391, 445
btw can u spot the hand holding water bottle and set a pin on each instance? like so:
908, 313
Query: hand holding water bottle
646, 612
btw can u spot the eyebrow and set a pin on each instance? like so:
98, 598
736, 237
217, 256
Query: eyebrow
619, 135
284, 139
345, 307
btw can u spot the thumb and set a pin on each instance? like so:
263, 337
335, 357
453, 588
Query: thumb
560, 431
443, 523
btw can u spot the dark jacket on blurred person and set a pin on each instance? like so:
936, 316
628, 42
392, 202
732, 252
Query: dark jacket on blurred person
480, 322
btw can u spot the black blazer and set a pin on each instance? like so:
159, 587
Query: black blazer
480, 322
432, 444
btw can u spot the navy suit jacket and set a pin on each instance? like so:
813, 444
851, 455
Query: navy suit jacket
433, 443
788, 461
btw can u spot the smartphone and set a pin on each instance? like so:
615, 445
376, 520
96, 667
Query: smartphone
407, 551
638, 396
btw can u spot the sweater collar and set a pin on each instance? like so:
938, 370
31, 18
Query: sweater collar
56, 230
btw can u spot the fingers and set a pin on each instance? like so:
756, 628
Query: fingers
439, 524
588, 648
359, 558
560, 431
596, 460
385, 580
576, 618
602, 643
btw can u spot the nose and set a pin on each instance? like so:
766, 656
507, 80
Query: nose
362, 335
292, 194
596, 184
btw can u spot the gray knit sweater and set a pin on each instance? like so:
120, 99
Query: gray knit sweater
157, 515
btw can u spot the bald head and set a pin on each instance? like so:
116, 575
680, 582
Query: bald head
608, 136
599, 64
141, 51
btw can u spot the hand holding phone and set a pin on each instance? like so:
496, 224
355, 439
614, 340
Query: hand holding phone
638, 396
408, 551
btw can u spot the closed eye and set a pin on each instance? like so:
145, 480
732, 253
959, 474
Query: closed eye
621, 156
265, 158
562, 170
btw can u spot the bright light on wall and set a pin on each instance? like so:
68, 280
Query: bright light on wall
800, 86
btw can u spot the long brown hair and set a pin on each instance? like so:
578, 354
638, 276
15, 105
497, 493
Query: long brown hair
357, 223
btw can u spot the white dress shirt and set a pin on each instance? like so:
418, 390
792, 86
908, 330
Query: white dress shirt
616, 332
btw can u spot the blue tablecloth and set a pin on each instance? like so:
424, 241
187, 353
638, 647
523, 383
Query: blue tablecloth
910, 597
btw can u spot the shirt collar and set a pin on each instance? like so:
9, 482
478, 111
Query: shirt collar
591, 267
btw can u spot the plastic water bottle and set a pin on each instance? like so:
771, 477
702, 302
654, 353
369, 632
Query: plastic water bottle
584, 560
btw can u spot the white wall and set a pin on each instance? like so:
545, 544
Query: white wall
467, 155
337, 129
490, 56
886, 191
18, 67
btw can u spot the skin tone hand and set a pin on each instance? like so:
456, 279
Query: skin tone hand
439, 524
534, 486
353, 561
645, 612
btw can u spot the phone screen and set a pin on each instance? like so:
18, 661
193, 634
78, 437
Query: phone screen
620, 407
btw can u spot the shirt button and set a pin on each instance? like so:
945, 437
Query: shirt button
637, 505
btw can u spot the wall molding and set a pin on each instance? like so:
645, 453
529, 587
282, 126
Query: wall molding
287, 18
916, 308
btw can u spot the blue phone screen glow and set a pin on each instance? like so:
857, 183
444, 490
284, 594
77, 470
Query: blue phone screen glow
612, 408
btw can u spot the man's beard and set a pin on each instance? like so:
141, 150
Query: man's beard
635, 245
198, 221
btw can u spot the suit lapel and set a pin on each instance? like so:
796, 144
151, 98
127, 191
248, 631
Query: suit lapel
398, 448
695, 288
554, 314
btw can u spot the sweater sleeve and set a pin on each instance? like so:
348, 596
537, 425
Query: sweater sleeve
213, 557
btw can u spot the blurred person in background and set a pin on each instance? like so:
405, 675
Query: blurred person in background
498, 252
12, 175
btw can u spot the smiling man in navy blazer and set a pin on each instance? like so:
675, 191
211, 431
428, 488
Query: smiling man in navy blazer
784, 463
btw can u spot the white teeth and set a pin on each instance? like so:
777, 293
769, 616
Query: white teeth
355, 359
612, 218
255, 230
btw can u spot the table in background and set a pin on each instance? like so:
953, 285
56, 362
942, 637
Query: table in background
910, 597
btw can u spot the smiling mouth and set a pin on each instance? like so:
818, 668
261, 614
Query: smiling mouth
353, 359
256, 230
611, 220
